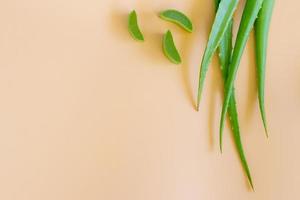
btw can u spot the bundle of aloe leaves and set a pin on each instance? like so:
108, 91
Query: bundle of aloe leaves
256, 15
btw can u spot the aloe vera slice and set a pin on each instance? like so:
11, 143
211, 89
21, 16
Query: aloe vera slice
250, 14
223, 18
178, 18
225, 50
170, 48
133, 27
262, 26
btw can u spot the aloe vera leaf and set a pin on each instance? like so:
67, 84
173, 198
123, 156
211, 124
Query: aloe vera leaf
133, 26
233, 116
262, 26
178, 18
223, 18
250, 13
225, 50
170, 49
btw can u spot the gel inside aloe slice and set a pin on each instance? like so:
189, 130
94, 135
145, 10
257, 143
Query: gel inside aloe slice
170, 49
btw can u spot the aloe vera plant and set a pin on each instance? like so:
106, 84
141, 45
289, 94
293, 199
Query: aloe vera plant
221, 38
225, 50
249, 16
262, 26
222, 21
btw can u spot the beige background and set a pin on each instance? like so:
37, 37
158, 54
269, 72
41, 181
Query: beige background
88, 113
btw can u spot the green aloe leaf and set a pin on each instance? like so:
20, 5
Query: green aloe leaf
225, 51
223, 19
250, 14
262, 26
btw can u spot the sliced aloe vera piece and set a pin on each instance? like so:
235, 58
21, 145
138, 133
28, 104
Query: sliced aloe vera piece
133, 26
170, 49
178, 18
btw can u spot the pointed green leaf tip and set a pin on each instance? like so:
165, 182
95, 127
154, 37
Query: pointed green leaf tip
178, 18
222, 21
170, 48
250, 14
133, 27
262, 26
225, 50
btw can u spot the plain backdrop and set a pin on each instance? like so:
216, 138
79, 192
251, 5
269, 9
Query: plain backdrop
88, 113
